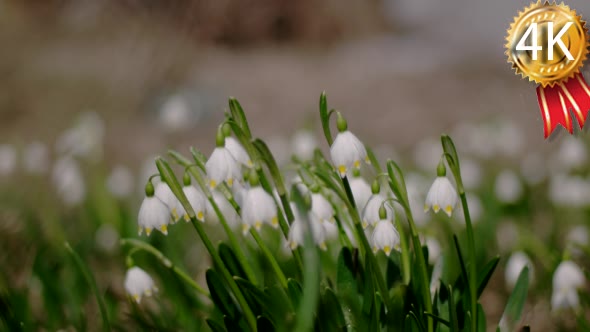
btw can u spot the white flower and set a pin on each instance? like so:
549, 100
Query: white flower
442, 194
298, 230
577, 237
508, 187
68, 180
120, 182
258, 208
567, 279
569, 190
361, 191
347, 152
331, 230
385, 237
227, 210
138, 283
437, 271
571, 154
304, 143
197, 201
516, 263
434, 250
165, 194
222, 166
7, 159
237, 151
153, 214
36, 158
321, 208
239, 191
175, 114
370, 215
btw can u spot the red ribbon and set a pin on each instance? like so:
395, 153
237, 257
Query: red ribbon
557, 101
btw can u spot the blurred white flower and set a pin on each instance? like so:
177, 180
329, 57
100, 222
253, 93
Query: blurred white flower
347, 152
138, 283
506, 236
567, 279
427, 153
442, 195
175, 114
385, 237
165, 194
84, 139
197, 201
237, 151
437, 271
227, 210
297, 181
568, 190
303, 144
153, 214
533, 168
515, 264
370, 214
120, 182
222, 166
7, 159
577, 237
258, 208
106, 238
361, 191
434, 250
571, 154
298, 230
416, 185
470, 173
68, 181
239, 191
36, 158
508, 138
331, 230
508, 187
321, 208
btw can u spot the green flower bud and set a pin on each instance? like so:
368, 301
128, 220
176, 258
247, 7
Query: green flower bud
441, 170
382, 212
226, 128
375, 187
341, 123
253, 179
220, 138
149, 189
186, 179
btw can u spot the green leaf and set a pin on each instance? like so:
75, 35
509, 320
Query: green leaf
397, 182
168, 176
231, 262
485, 274
330, 307
393, 273
295, 291
452, 308
439, 319
219, 294
271, 163
239, 116
411, 323
461, 260
374, 160
517, 299
265, 324
325, 117
481, 319
215, 326
345, 275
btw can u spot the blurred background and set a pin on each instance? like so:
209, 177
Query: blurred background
114, 83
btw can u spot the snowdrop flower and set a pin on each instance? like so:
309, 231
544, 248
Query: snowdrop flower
165, 194
175, 114
516, 263
237, 151
385, 237
227, 210
259, 207
571, 154
347, 151
370, 214
567, 279
361, 191
68, 180
7, 159
569, 190
508, 187
331, 230
304, 143
442, 194
239, 191
120, 182
36, 158
153, 213
195, 198
222, 166
320, 207
298, 230
138, 283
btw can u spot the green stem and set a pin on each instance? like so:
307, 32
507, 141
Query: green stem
273, 262
472, 260
139, 245
92, 283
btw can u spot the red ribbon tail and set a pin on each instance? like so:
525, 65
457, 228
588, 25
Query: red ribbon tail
554, 110
577, 93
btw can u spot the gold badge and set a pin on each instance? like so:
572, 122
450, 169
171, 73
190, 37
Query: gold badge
547, 43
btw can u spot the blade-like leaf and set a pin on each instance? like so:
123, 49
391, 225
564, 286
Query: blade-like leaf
485, 274
517, 299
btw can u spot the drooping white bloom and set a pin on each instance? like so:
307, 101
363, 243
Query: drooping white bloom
304, 143
197, 201
239, 191
227, 210
361, 191
222, 166
508, 187
347, 152
165, 194
258, 208
321, 208
516, 263
385, 237
330, 230
298, 230
237, 151
7, 159
120, 182
571, 154
84, 139
153, 214
138, 283
569, 190
370, 214
68, 180
442, 195
567, 279
36, 158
